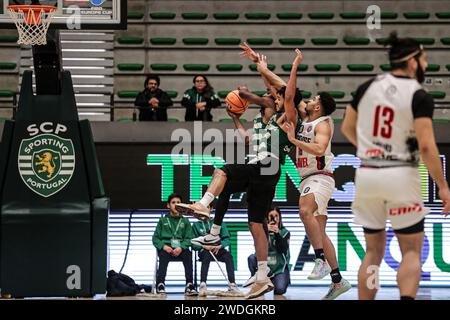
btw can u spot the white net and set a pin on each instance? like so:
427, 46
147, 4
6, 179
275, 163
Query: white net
32, 24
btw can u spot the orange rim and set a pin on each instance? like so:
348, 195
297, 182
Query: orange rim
31, 11
26, 7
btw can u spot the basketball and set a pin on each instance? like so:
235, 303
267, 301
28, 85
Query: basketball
236, 104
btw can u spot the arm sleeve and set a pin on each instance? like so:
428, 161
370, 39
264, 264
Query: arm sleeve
360, 93
188, 235
213, 102
225, 236
165, 100
422, 104
141, 101
282, 242
156, 239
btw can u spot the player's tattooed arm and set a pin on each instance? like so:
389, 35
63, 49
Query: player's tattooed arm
348, 127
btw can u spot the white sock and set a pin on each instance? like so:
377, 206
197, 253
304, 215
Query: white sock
261, 274
208, 197
215, 230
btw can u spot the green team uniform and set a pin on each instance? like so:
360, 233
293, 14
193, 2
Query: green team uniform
278, 261
264, 135
173, 231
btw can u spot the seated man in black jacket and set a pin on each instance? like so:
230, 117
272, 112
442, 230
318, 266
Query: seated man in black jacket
152, 102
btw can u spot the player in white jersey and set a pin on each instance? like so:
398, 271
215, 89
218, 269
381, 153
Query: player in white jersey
390, 123
313, 161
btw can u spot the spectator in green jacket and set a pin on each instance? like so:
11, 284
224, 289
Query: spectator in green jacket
279, 256
172, 239
202, 228
199, 100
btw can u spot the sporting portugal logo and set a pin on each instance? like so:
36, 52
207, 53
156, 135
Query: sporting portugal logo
46, 163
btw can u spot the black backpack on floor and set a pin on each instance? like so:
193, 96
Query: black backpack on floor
119, 284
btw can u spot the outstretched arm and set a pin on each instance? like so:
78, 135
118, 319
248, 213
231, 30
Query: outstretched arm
269, 78
289, 106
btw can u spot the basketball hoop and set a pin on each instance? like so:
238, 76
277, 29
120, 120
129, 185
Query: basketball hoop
32, 22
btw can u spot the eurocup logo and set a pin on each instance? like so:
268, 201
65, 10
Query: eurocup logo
97, 2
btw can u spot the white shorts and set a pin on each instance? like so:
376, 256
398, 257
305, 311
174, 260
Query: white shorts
390, 193
322, 186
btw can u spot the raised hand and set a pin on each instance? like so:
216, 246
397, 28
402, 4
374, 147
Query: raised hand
248, 52
298, 59
262, 61
288, 127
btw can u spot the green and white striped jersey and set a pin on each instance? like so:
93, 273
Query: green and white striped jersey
268, 140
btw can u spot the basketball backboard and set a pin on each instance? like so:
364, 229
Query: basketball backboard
76, 14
